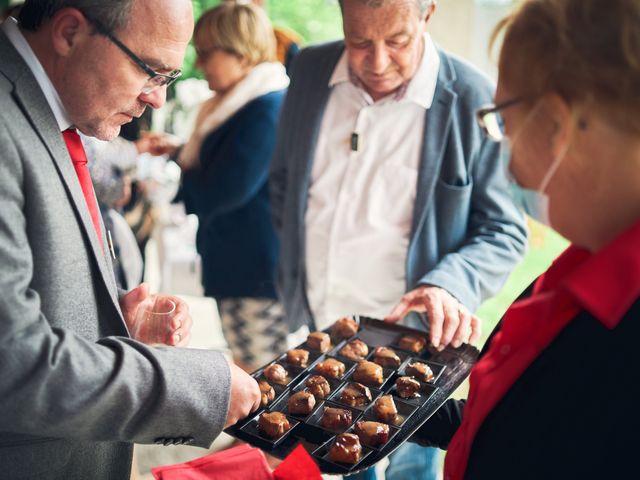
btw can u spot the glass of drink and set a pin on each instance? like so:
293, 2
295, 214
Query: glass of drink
152, 323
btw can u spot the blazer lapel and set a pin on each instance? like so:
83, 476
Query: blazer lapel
28, 95
436, 133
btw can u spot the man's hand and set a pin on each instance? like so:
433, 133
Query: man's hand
245, 395
181, 323
449, 320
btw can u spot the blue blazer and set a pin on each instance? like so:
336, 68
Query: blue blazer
229, 194
467, 234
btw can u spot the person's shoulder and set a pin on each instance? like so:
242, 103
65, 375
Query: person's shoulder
315, 56
466, 80
267, 101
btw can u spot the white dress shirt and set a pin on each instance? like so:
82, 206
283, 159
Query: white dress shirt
13, 33
360, 204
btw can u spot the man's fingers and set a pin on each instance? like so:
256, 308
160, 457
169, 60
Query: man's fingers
464, 328
435, 314
399, 311
476, 330
451, 321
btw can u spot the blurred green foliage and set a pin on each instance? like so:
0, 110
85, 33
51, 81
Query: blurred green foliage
314, 20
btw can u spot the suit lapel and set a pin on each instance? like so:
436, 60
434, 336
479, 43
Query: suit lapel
436, 134
31, 100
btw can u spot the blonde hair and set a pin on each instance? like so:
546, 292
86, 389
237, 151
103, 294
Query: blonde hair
238, 28
587, 51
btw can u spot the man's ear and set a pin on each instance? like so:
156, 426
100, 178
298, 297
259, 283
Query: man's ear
429, 13
68, 28
562, 122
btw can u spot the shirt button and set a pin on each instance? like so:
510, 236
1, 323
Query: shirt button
505, 349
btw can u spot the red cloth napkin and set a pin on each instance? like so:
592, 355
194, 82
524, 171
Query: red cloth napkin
241, 463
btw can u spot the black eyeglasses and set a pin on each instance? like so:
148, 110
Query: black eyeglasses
490, 120
155, 80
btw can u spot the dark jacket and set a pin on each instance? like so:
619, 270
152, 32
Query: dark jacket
572, 414
230, 196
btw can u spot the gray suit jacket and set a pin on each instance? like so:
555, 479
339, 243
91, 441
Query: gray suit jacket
74, 390
467, 234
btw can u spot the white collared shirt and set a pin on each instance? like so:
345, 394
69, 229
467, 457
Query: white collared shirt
15, 36
360, 204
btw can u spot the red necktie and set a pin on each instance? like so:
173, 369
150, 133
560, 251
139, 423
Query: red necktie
79, 158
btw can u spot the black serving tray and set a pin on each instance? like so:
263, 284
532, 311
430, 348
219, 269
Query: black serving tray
451, 366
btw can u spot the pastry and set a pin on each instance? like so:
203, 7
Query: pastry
356, 395
336, 418
344, 328
318, 385
346, 449
386, 357
407, 387
276, 373
319, 341
372, 434
412, 344
298, 358
355, 350
267, 394
331, 368
301, 403
273, 424
420, 371
385, 409
368, 373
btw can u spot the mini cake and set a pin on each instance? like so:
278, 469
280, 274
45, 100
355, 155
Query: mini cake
318, 385
372, 434
298, 358
368, 373
407, 387
386, 357
412, 344
356, 395
346, 449
273, 424
385, 409
301, 403
344, 328
336, 418
276, 373
331, 368
267, 394
355, 350
420, 371
319, 341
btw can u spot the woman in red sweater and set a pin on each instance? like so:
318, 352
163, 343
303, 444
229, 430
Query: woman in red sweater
554, 394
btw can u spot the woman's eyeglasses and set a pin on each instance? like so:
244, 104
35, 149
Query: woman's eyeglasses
490, 120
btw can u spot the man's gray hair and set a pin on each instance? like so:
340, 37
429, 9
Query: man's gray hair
112, 14
423, 5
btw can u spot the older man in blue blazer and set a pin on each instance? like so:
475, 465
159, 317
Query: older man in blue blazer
384, 190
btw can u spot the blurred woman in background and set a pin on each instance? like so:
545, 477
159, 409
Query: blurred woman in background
225, 169
554, 394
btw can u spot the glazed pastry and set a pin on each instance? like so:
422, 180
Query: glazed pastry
372, 434
273, 424
318, 385
386, 357
385, 409
344, 328
276, 373
356, 395
301, 403
331, 368
412, 344
298, 358
319, 341
407, 387
267, 394
420, 371
368, 373
355, 350
336, 418
346, 449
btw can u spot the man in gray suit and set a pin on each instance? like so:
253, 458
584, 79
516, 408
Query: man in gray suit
387, 195
75, 391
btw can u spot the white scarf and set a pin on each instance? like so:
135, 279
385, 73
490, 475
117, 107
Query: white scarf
262, 79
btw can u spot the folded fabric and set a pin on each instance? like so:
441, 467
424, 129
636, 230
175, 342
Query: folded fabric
239, 463
298, 465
